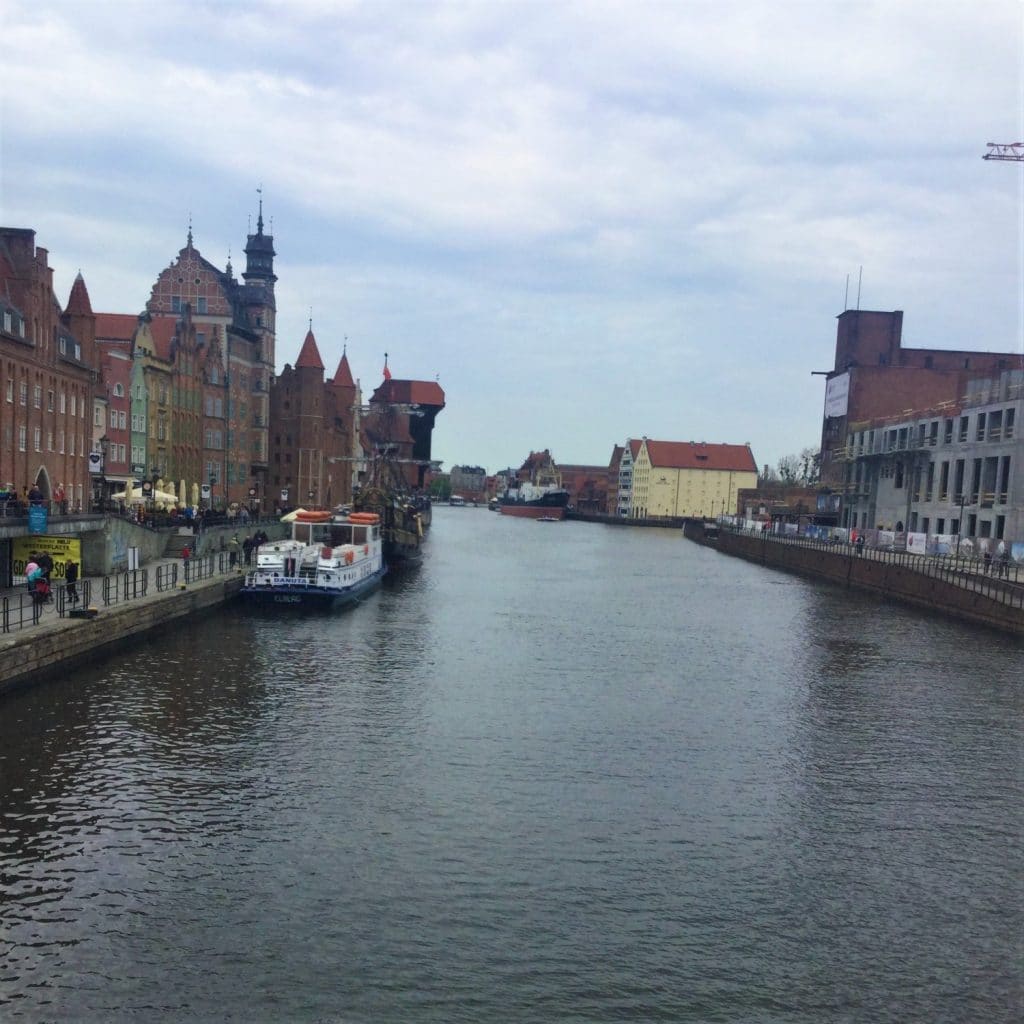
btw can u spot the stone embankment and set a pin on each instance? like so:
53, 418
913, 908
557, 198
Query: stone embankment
968, 596
56, 646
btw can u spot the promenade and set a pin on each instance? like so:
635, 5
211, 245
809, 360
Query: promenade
40, 641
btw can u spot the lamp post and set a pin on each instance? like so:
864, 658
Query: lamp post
104, 450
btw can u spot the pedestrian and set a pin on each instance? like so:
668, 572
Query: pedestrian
233, 546
987, 559
71, 580
186, 554
860, 544
35, 496
247, 550
45, 564
59, 498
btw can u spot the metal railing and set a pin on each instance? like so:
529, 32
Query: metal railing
998, 578
23, 609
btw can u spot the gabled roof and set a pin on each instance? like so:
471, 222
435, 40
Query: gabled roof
78, 301
115, 326
309, 356
698, 455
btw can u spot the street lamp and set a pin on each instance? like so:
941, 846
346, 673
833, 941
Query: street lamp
104, 450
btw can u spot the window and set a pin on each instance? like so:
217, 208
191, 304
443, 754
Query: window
97, 416
37, 439
947, 432
138, 425
1007, 425
49, 440
49, 400
37, 396
122, 419
963, 428
22, 437
63, 346
63, 403
10, 391
119, 391
113, 418
138, 454
980, 431
74, 407
201, 304
8, 321
60, 441
23, 393
175, 303
121, 452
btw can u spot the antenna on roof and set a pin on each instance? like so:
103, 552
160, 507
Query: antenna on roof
846, 295
860, 277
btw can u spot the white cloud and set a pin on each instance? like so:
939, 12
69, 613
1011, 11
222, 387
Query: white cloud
597, 213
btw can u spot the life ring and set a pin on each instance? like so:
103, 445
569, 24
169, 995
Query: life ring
349, 557
366, 549
312, 517
326, 553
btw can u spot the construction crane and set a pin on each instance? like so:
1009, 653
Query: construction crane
1004, 151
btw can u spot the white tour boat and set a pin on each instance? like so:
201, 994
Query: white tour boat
330, 560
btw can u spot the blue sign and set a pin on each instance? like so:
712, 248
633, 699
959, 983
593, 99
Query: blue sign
37, 515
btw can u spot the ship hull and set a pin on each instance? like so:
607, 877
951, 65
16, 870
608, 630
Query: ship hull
308, 596
525, 511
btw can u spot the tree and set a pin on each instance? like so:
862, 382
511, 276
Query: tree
803, 470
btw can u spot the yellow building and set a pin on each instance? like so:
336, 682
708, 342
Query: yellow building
685, 478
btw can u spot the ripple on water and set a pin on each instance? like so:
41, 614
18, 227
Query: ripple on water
581, 773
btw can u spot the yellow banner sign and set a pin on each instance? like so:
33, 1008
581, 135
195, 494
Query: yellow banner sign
60, 549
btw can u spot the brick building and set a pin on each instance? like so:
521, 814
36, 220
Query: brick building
235, 322
919, 440
314, 450
587, 486
47, 363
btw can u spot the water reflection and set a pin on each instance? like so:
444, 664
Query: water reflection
554, 773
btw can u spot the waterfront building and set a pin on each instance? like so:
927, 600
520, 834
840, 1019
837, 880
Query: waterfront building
110, 458
949, 470
235, 321
399, 421
875, 377
469, 481
47, 364
314, 449
587, 487
621, 473
687, 478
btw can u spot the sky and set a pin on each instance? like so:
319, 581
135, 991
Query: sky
588, 221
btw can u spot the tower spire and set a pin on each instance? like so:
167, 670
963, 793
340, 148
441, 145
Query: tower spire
259, 219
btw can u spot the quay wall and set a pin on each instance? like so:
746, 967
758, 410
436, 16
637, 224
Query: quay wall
887, 579
33, 656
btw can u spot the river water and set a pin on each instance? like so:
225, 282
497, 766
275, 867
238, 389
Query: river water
560, 772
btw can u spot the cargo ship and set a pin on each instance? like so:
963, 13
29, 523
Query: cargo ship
536, 490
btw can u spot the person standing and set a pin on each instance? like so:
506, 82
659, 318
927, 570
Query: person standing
233, 547
186, 555
71, 580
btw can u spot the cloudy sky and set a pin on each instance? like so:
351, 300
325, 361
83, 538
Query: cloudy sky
590, 221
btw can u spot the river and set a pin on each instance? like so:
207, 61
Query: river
559, 772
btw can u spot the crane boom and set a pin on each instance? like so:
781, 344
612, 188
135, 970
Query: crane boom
1004, 151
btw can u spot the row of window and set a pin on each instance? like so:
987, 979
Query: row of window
76, 442
77, 408
989, 426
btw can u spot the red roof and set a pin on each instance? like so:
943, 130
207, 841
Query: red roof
115, 326
343, 375
415, 392
696, 455
78, 301
163, 329
309, 356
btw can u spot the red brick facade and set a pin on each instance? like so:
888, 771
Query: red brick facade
47, 362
